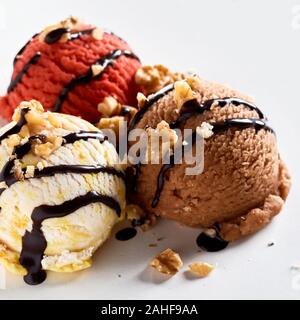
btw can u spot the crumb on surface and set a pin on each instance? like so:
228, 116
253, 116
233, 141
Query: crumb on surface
201, 269
167, 262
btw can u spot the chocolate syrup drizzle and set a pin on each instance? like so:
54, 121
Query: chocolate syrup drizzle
20, 151
56, 34
190, 109
105, 62
126, 234
10, 178
24, 70
218, 127
148, 104
211, 243
84, 135
34, 242
18, 126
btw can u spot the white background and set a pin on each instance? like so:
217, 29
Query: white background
251, 45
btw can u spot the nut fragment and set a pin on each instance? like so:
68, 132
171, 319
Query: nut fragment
113, 123
109, 106
29, 172
45, 149
183, 93
96, 69
167, 262
13, 140
134, 212
153, 78
160, 141
205, 130
68, 24
97, 34
211, 232
141, 99
201, 269
40, 166
18, 170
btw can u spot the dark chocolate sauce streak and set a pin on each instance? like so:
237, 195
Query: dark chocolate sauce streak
104, 62
193, 107
19, 76
84, 135
34, 243
126, 234
56, 34
211, 243
148, 104
17, 127
190, 109
20, 151
218, 127
10, 179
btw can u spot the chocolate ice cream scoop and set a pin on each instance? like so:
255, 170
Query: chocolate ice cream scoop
244, 182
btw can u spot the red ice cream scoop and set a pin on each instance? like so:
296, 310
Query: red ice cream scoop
71, 68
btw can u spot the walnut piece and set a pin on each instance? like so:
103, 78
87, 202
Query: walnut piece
160, 141
167, 262
205, 130
29, 172
154, 78
113, 123
96, 69
45, 149
141, 99
69, 24
109, 106
97, 34
134, 212
183, 93
201, 269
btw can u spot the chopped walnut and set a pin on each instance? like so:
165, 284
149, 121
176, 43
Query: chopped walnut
24, 132
160, 141
96, 69
97, 34
109, 106
69, 24
167, 262
141, 99
113, 123
134, 212
32, 105
29, 172
13, 140
40, 166
183, 93
18, 170
194, 81
45, 149
154, 78
201, 269
205, 130
211, 232
149, 222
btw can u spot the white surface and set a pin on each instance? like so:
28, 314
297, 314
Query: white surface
252, 45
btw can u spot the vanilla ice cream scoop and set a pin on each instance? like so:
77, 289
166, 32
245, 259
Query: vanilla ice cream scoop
62, 191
